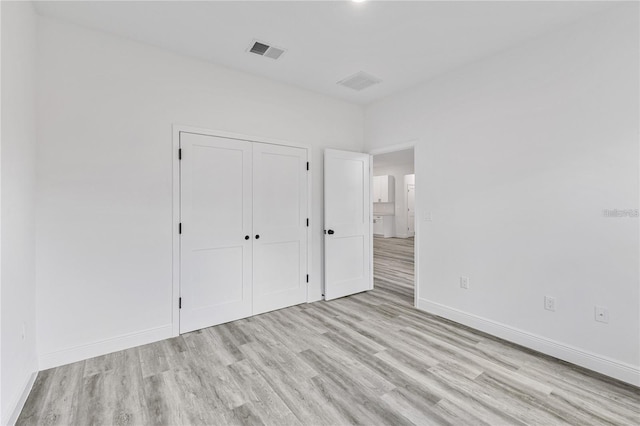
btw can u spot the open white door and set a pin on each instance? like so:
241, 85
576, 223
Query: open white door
347, 218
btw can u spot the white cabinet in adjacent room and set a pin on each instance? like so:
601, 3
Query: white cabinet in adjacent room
383, 225
378, 225
383, 189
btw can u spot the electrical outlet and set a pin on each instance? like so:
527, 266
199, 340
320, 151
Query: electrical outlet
464, 282
550, 303
602, 314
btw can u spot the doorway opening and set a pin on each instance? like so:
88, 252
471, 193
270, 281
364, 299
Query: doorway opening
393, 228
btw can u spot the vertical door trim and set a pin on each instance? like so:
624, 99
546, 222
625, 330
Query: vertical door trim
175, 236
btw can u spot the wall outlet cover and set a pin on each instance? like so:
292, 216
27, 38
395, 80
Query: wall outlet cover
464, 282
550, 303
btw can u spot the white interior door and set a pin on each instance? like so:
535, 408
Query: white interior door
215, 243
348, 221
411, 209
280, 227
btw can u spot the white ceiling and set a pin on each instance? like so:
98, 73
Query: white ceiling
403, 43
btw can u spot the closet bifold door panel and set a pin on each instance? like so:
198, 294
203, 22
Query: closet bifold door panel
279, 225
216, 216
243, 229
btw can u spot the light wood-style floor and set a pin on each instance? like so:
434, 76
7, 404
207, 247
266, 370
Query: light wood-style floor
369, 359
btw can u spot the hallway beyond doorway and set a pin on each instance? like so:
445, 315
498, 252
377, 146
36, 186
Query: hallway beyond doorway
393, 268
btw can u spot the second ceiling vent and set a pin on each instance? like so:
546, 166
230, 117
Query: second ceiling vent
359, 81
264, 49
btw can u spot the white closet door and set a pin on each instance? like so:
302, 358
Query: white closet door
280, 227
215, 257
347, 218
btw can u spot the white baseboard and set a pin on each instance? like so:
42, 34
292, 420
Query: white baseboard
12, 416
619, 370
103, 347
404, 235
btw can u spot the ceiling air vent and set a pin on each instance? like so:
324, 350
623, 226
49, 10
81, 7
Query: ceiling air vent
359, 81
264, 49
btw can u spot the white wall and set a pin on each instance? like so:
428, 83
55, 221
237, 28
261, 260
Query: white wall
398, 172
106, 107
518, 156
18, 282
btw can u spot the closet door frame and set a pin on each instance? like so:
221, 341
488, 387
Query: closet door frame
177, 129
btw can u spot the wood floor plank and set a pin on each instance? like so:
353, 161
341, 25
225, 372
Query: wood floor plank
244, 415
344, 368
33, 406
165, 402
62, 400
208, 347
425, 414
361, 408
269, 407
115, 394
291, 389
153, 359
367, 359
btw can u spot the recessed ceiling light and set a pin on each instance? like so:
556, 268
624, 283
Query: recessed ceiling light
358, 1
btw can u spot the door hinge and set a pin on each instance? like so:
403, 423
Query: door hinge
307, 165
179, 302
307, 222
180, 228
180, 154
307, 277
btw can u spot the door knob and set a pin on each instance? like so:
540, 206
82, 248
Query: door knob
330, 232
257, 237
246, 237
